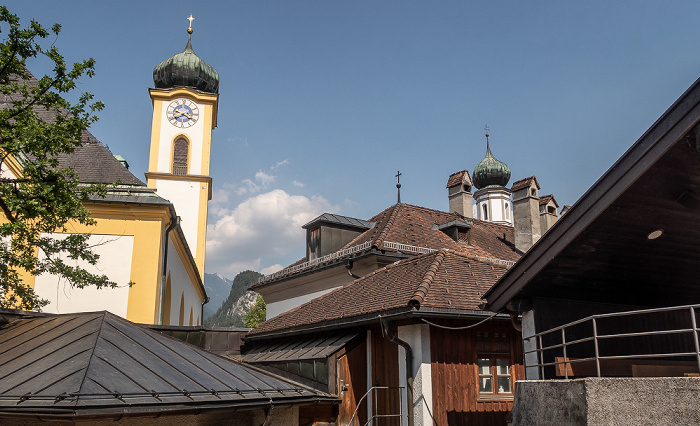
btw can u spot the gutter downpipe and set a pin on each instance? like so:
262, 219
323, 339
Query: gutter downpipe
268, 414
386, 333
173, 224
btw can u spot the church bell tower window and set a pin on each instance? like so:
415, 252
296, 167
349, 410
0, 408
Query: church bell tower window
180, 157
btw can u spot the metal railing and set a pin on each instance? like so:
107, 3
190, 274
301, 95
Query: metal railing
338, 254
554, 350
373, 390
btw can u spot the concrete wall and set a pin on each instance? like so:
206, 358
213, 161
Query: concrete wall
608, 401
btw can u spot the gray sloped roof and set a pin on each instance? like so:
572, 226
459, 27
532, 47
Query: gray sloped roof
296, 349
95, 164
98, 362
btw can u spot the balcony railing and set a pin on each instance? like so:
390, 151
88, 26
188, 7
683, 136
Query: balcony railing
398, 391
632, 343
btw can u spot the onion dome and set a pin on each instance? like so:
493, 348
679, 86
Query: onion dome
490, 173
186, 70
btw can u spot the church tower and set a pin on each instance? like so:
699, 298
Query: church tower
492, 200
185, 105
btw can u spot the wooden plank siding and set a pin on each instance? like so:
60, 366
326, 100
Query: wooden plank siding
352, 384
456, 398
385, 372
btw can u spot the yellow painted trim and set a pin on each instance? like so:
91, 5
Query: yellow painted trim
206, 140
155, 139
204, 98
13, 165
204, 197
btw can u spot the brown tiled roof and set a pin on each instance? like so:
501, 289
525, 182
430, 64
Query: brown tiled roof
413, 225
524, 183
456, 178
442, 279
546, 199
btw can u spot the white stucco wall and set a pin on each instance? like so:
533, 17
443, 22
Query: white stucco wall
276, 308
185, 196
180, 284
115, 262
498, 204
418, 337
168, 133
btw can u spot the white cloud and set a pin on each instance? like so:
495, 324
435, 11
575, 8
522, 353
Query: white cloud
271, 269
260, 230
297, 183
264, 179
278, 164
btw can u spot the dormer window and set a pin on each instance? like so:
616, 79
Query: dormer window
328, 233
458, 230
180, 153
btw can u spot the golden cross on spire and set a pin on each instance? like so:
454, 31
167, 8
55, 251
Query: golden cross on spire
486, 127
189, 30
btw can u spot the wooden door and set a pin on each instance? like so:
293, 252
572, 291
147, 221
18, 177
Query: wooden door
352, 385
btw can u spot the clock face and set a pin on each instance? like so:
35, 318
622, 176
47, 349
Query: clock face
182, 113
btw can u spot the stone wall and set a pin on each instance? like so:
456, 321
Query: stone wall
608, 401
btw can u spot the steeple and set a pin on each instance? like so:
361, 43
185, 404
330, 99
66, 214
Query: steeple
492, 198
490, 172
186, 69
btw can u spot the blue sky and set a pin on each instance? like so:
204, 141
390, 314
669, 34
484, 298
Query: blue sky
321, 102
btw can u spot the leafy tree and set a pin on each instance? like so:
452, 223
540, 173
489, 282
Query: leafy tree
36, 125
256, 314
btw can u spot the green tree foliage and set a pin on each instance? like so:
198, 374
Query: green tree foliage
240, 286
36, 125
256, 314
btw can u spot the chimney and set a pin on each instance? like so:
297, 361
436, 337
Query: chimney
526, 213
548, 212
459, 192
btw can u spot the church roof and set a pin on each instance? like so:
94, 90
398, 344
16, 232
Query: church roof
405, 228
490, 172
441, 280
97, 363
186, 69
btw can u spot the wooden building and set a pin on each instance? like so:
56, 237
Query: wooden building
402, 344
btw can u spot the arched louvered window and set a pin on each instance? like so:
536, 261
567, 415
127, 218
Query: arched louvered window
486, 212
182, 147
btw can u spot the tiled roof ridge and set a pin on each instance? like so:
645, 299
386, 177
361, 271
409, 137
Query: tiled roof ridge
379, 242
547, 198
522, 183
401, 263
428, 279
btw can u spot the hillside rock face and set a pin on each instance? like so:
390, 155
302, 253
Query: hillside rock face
242, 305
232, 312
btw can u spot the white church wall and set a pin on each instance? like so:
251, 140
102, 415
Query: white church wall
185, 196
115, 262
181, 285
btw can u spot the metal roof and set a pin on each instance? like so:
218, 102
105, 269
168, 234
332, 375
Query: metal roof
100, 363
341, 220
297, 349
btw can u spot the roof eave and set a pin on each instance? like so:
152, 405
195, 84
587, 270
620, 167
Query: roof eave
678, 120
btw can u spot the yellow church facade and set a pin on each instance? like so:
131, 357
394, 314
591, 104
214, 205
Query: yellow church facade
149, 234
